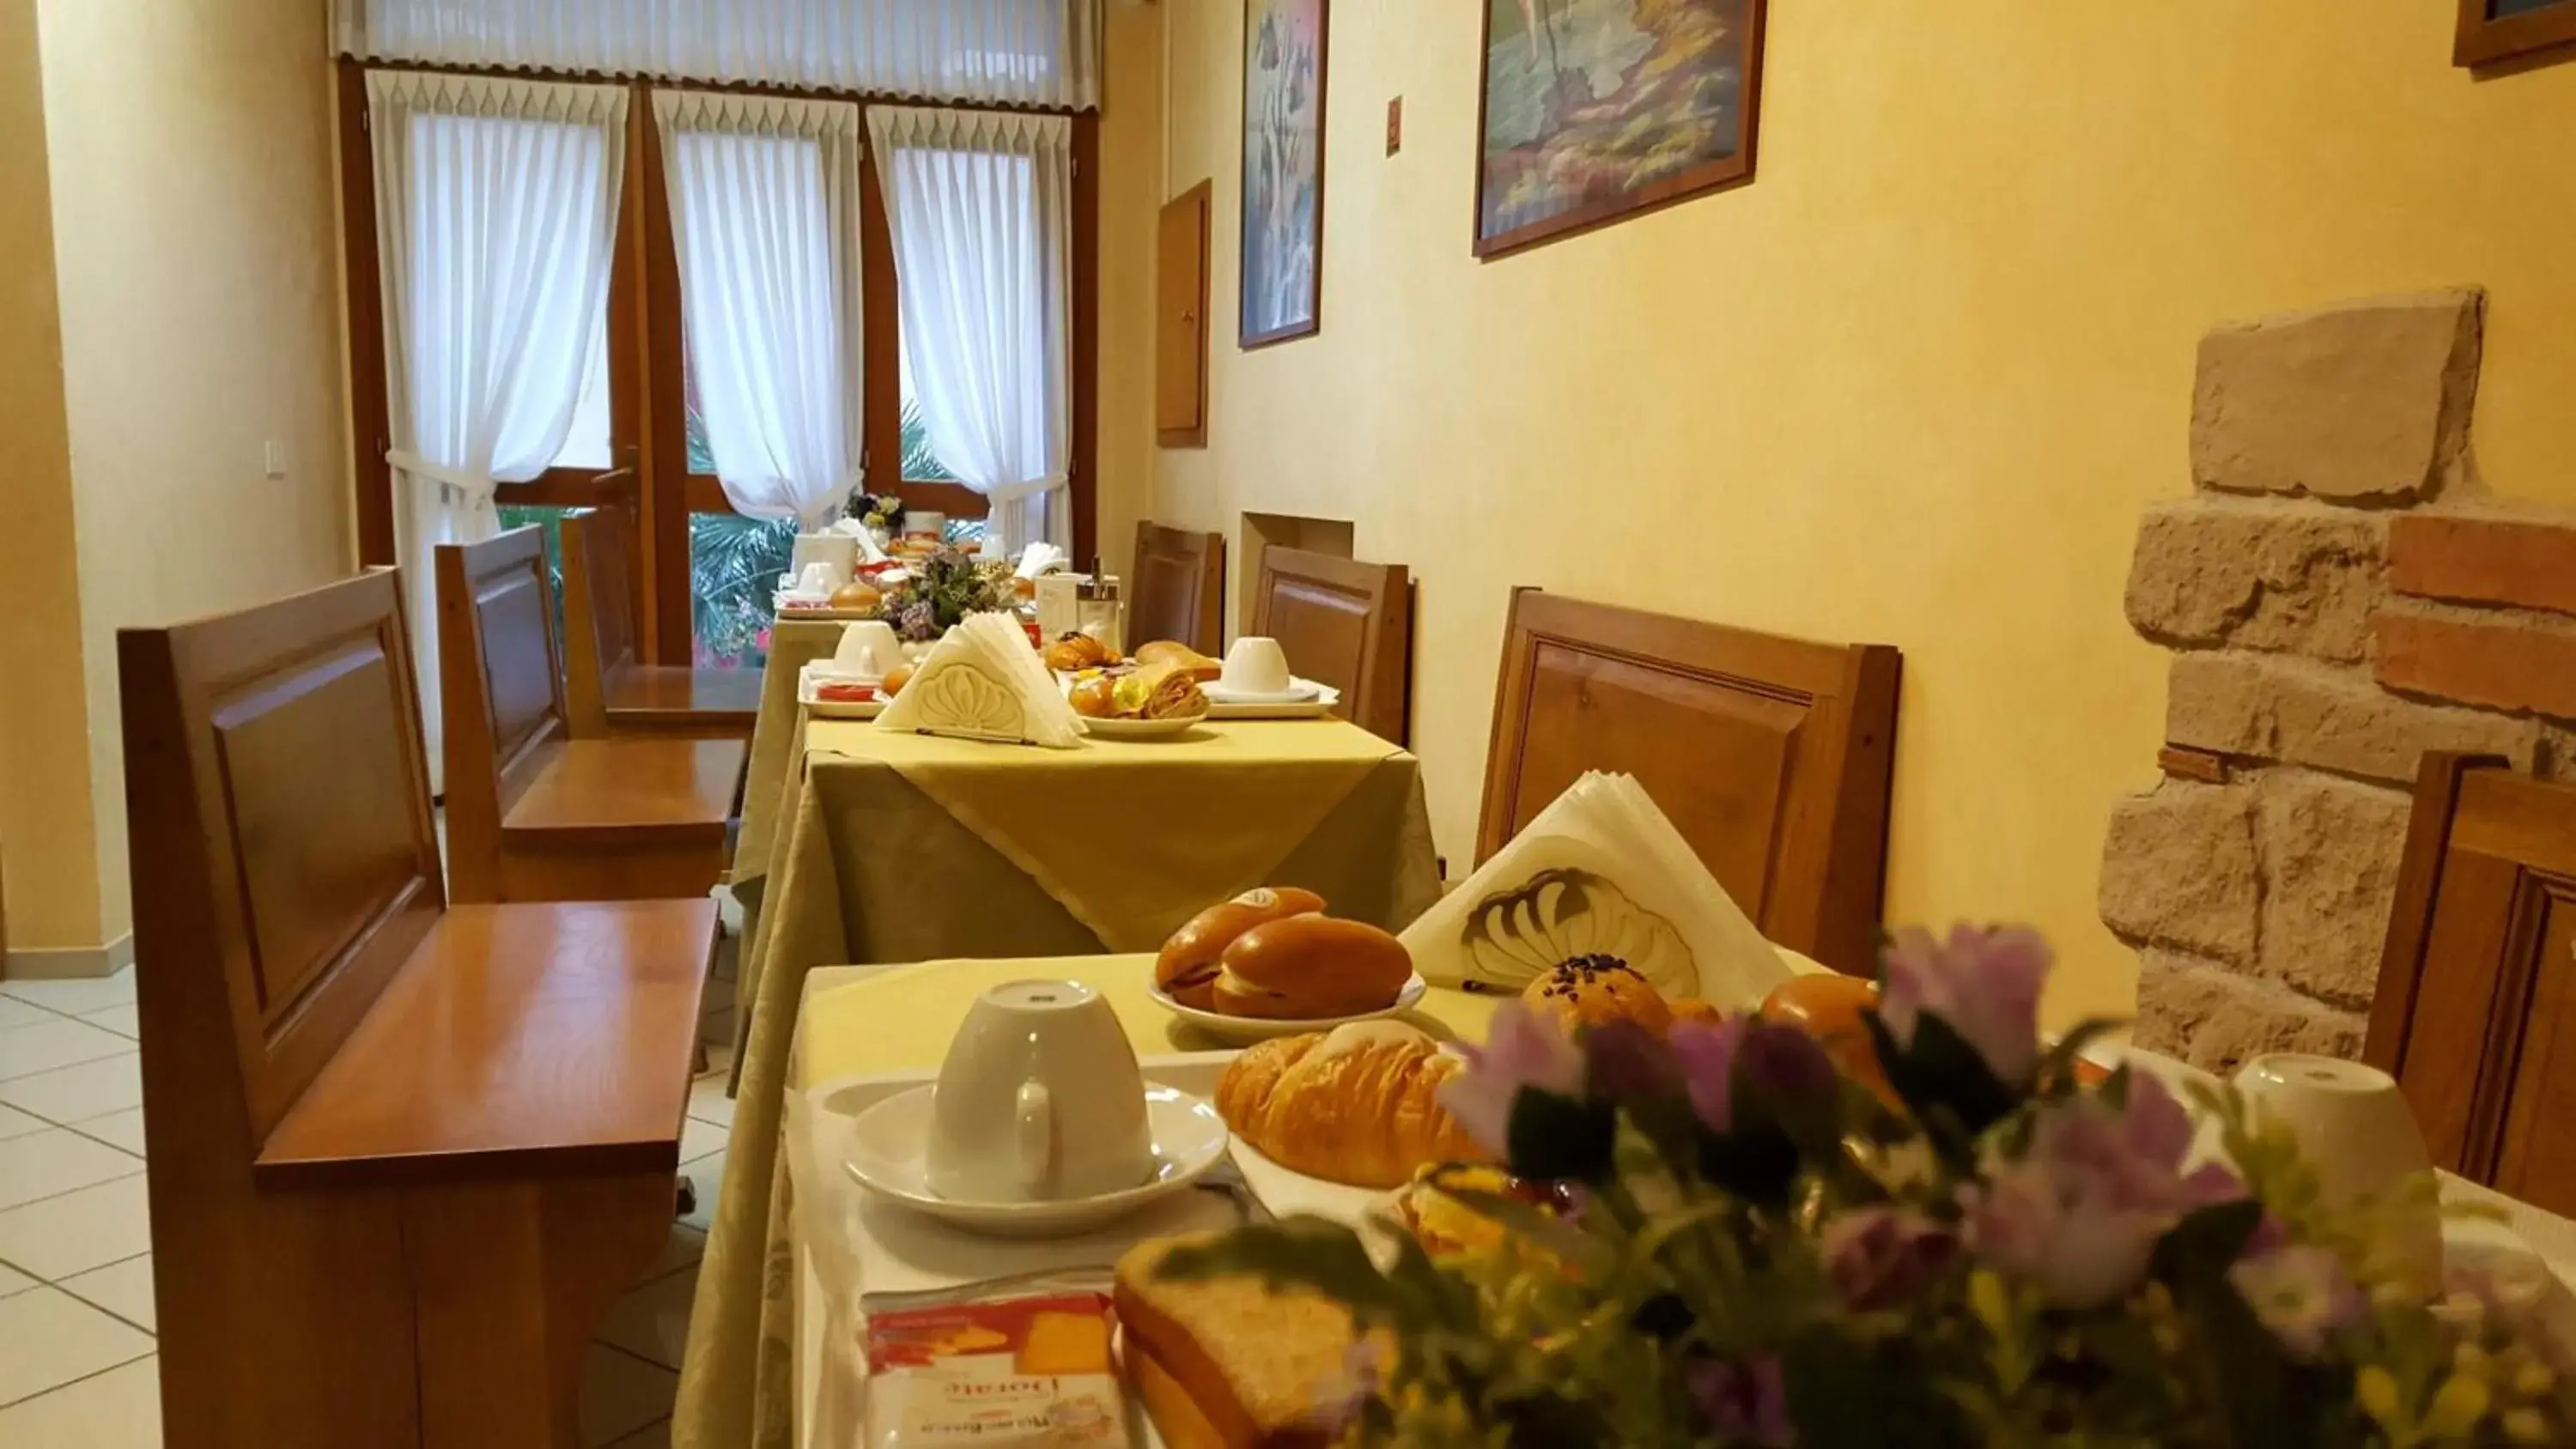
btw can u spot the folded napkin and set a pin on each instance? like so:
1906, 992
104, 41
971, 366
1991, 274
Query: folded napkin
1040, 558
982, 681
851, 527
1601, 871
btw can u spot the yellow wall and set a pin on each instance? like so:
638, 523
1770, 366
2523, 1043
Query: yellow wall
1913, 385
196, 253
45, 836
1131, 190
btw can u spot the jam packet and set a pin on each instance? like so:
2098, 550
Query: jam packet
1012, 1364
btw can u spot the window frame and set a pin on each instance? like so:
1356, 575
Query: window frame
648, 418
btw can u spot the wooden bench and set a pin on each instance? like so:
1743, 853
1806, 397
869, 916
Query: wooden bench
404, 1155
607, 690
1176, 590
532, 815
1347, 624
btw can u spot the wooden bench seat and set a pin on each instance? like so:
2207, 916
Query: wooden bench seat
533, 815
608, 690
404, 1156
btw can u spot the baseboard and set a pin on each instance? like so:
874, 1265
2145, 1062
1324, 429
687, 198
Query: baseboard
73, 963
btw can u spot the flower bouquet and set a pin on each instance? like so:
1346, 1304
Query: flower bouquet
881, 514
943, 589
1977, 1249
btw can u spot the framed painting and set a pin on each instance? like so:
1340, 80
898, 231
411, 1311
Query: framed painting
1283, 170
1594, 110
2493, 30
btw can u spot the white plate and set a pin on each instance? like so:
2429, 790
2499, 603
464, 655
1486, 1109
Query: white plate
1139, 729
833, 708
1262, 1028
888, 1147
1299, 691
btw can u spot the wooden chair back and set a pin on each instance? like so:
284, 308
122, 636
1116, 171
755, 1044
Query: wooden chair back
1772, 756
1347, 624
599, 613
284, 867
1177, 588
2475, 1010
501, 677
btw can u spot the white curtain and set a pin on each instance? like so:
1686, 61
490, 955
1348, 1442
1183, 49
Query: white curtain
765, 216
979, 207
496, 217
1003, 52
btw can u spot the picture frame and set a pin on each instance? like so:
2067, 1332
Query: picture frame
1542, 113
1280, 285
2495, 30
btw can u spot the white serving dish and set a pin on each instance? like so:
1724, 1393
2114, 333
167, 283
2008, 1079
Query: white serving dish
1245, 1029
811, 675
1305, 700
887, 1154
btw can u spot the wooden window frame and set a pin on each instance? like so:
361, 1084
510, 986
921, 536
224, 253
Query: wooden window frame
647, 378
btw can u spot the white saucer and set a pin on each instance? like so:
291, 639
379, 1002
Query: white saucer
1262, 1028
1299, 691
1138, 729
888, 1147
813, 674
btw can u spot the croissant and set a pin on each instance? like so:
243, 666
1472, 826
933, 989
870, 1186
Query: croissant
1357, 1105
1075, 651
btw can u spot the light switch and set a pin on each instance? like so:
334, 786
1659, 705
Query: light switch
275, 456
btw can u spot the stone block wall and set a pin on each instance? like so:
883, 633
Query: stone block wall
2340, 598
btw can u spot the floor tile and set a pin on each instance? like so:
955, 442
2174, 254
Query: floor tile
124, 1289
620, 1394
122, 1020
707, 1100
78, 1231
13, 1281
653, 1321
75, 1094
74, 996
49, 1338
44, 1164
699, 1139
652, 1436
116, 1129
686, 1246
14, 1123
15, 1013
119, 1409
706, 1172
61, 1042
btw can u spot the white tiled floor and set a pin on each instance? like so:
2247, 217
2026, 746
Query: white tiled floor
77, 1369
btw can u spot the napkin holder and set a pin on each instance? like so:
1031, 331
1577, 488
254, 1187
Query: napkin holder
983, 682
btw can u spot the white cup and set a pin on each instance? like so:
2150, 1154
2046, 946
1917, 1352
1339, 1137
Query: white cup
868, 648
2353, 1127
837, 553
1256, 666
1040, 1100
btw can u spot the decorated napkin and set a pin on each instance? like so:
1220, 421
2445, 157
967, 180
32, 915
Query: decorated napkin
1040, 558
1601, 871
982, 681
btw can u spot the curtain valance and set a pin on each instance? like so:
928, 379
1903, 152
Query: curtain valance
1003, 52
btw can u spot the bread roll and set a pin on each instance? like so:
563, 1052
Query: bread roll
1308, 968
1589, 990
856, 594
1830, 1009
1180, 656
1187, 967
1359, 1105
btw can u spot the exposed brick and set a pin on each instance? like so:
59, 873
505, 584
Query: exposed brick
2214, 1020
2363, 402
2178, 870
2485, 559
2329, 849
2519, 662
2257, 574
2270, 708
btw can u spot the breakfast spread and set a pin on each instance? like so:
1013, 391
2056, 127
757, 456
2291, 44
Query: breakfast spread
1227, 1363
1152, 692
1358, 1105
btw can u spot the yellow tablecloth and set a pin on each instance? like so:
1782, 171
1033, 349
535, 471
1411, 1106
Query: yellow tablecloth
901, 848
775, 740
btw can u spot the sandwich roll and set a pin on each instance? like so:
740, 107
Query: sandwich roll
1306, 968
1186, 970
1181, 657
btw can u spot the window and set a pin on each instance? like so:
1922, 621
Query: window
734, 564
920, 461
587, 446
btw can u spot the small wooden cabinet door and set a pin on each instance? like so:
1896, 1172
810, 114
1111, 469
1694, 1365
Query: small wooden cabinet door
1180, 320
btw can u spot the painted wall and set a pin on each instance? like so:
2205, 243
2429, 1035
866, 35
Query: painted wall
46, 849
196, 255
1913, 385
1131, 189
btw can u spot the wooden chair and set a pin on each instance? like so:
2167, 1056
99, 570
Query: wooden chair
608, 691
1771, 756
531, 815
404, 1155
1346, 624
1177, 589
2475, 1011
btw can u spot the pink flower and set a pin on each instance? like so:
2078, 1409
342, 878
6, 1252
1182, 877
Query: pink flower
2079, 1213
1523, 1049
1744, 1403
1984, 983
1707, 1055
2302, 1293
1880, 1256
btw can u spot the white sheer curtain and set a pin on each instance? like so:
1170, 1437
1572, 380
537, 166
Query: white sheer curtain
765, 215
496, 217
1005, 52
979, 207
